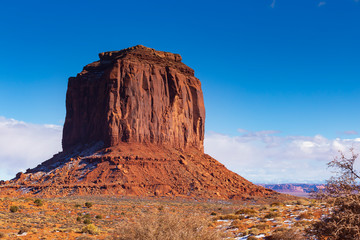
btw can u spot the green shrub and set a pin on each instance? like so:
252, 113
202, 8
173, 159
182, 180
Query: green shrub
38, 202
77, 205
87, 221
88, 204
14, 209
99, 217
78, 219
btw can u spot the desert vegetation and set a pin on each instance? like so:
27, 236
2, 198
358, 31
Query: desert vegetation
287, 220
333, 213
343, 196
134, 218
107, 218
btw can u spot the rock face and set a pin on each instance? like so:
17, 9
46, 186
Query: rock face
134, 126
135, 95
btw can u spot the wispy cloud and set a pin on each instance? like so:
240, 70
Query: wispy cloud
321, 4
272, 5
264, 157
352, 132
24, 145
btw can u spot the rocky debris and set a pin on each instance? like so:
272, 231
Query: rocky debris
134, 126
135, 169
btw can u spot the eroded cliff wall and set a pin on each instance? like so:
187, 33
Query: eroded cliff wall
135, 95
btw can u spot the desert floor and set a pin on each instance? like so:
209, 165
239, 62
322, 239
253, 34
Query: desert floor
93, 217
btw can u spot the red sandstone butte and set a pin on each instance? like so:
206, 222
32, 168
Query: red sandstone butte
134, 126
135, 95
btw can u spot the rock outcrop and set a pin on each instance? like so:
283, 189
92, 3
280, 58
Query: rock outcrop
135, 95
135, 126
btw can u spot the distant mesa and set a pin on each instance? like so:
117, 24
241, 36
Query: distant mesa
134, 127
296, 189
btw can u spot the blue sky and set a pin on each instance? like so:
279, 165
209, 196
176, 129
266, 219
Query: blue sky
290, 68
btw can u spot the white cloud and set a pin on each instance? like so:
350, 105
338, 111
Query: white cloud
321, 4
259, 156
264, 157
24, 145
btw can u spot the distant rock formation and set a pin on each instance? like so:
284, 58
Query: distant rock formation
296, 189
135, 126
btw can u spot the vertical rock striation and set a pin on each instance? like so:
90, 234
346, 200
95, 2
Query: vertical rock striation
135, 95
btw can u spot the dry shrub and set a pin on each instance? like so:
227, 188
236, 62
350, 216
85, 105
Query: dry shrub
254, 231
287, 234
166, 226
263, 226
23, 229
238, 224
272, 215
85, 238
343, 193
229, 217
302, 223
343, 222
277, 204
247, 211
302, 202
91, 229
305, 215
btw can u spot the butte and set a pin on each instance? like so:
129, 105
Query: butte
134, 127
